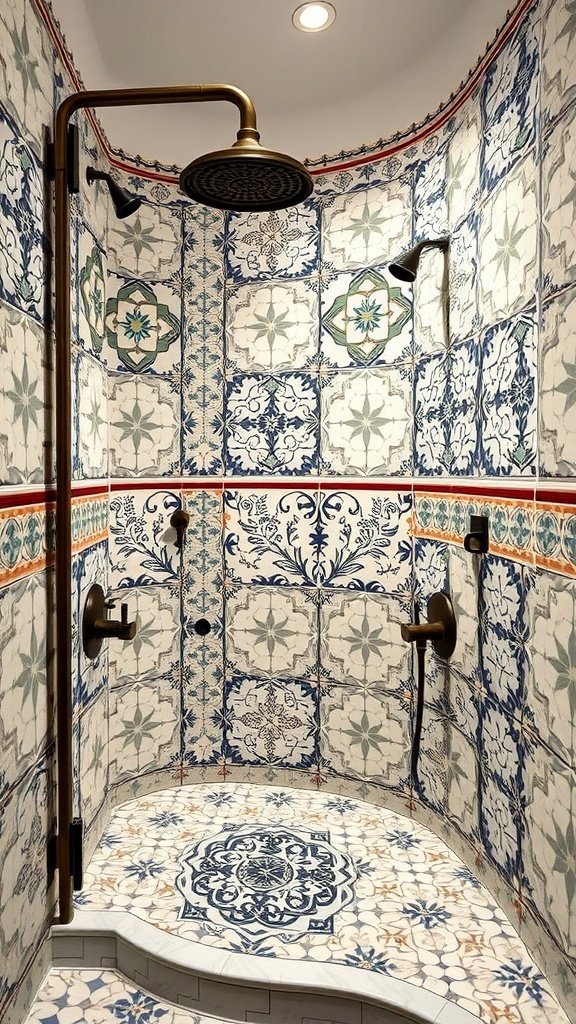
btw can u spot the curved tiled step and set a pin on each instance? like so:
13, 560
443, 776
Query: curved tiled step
403, 926
105, 997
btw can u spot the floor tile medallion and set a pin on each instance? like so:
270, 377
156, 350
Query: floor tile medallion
309, 876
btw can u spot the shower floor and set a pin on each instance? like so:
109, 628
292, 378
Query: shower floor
306, 876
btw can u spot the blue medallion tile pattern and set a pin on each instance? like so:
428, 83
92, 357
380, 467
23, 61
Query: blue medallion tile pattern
281, 243
272, 326
24, 396
271, 631
508, 398
271, 721
508, 103
366, 320
360, 642
147, 245
21, 231
272, 424
266, 879
365, 735
144, 416
26, 73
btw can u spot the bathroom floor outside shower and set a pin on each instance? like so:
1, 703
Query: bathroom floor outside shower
296, 876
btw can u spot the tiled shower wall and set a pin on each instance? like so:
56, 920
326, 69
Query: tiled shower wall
325, 428
33, 80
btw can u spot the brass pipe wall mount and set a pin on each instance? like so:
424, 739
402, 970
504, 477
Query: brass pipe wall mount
245, 177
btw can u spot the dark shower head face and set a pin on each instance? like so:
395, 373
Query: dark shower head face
246, 179
401, 272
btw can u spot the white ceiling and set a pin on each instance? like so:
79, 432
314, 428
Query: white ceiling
383, 65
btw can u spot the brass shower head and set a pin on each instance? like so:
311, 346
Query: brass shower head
246, 177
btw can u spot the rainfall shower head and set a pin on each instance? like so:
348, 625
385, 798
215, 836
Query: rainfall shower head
405, 267
246, 177
124, 203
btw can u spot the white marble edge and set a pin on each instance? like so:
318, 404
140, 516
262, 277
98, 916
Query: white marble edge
253, 971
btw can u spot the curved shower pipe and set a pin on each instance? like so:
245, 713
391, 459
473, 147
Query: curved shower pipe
78, 101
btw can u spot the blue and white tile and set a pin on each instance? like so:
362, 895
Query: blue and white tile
281, 243
272, 326
202, 331
360, 643
27, 905
156, 645
549, 856
430, 569
25, 413
272, 424
93, 756
430, 195
557, 387
270, 721
367, 423
448, 773
92, 279
22, 241
508, 398
270, 537
504, 631
499, 825
26, 71
144, 420
464, 589
558, 59
558, 176
25, 708
463, 268
144, 727
365, 735
430, 326
143, 329
362, 541
142, 548
463, 163
367, 227
271, 631
508, 244
550, 687
509, 99
366, 320
146, 245
446, 412
90, 419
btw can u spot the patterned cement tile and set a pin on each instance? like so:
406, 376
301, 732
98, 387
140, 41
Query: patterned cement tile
71, 996
312, 876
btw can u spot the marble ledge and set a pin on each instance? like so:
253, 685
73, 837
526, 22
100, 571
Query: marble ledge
213, 980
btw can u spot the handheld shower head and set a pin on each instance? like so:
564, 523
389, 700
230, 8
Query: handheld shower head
246, 177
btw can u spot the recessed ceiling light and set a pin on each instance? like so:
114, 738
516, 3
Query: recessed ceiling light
314, 17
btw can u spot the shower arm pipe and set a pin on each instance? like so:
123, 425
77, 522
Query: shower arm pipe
62, 334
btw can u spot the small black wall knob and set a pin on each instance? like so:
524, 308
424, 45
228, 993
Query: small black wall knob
202, 627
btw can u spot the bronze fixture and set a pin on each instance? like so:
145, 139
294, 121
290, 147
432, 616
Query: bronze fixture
179, 521
477, 541
124, 203
440, 628
62, 158
405, 268
96, 626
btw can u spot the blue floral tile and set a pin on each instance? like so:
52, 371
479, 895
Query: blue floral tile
446, 412
366, 320
501, 827
430, 195
463, 264
270, 721
22, 241
508, 398
272, 424
430, 568
281, 243
367, 422
557, 387
272, 326
558, 174
142, 548
463, 162
448, 773
504, 631
508, 100
334, 539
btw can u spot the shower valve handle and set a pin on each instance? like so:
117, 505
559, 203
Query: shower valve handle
440, 628
426, 631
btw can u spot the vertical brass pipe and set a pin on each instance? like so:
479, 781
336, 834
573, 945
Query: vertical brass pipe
62, 335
